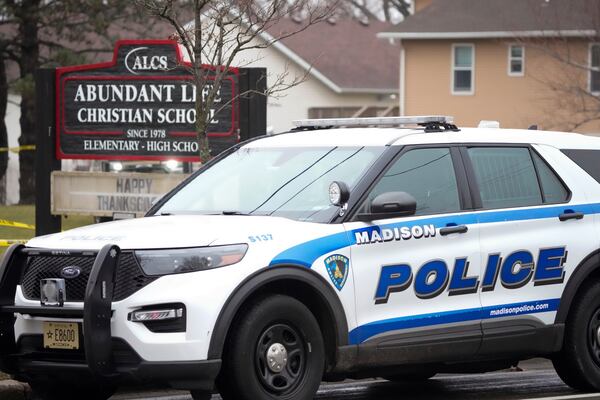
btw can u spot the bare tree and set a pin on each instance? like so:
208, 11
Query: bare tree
38, 32
3, 130
568, 71
388, 10
220, 31
392, 11
564, 61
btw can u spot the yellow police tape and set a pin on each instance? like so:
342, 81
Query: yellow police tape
8, 242
4, 222
18, 148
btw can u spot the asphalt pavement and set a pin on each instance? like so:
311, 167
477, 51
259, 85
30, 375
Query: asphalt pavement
536, 380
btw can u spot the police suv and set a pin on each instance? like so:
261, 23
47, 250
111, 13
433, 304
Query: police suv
384, 247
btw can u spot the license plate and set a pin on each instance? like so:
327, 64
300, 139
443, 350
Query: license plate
61, 335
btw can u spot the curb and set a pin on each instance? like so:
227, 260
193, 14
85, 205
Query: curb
13, 390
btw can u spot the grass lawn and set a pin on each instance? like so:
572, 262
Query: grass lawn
26, 214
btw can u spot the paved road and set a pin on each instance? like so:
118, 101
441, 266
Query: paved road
537, 380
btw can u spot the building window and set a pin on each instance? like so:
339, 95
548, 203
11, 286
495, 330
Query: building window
516, 60
463, 66
595, 68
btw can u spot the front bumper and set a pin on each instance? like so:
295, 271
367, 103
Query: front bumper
102, 356
33, 361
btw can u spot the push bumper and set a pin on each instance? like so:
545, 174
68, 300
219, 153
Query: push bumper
102, 357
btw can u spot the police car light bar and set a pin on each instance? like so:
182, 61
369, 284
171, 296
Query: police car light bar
374, 121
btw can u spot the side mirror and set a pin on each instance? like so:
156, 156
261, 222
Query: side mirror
390, 205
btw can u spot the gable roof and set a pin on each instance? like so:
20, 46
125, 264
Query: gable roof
346, 55
472, 19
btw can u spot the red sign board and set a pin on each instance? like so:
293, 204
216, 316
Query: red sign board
139, 106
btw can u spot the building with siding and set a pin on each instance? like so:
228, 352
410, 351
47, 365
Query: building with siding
521, 62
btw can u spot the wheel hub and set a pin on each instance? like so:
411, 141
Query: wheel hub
280, 359
277, 357
594, 337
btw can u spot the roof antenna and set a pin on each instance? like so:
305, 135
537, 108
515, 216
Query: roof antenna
533, 128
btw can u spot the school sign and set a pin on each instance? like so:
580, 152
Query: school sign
140, 106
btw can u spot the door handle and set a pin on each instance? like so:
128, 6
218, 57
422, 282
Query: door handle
570, 215
453, 229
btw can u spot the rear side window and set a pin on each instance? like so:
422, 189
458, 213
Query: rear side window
553, 189
506, 176
588, 160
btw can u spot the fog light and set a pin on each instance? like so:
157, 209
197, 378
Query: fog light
156, 315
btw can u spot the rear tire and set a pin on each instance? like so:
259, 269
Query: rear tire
578, 363
70, 391
276, 352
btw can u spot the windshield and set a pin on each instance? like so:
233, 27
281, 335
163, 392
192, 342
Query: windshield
287, 182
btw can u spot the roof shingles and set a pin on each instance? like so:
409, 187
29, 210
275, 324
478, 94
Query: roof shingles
348, 53
512, 16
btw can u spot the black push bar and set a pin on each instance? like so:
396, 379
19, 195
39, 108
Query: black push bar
96, 313
10, 272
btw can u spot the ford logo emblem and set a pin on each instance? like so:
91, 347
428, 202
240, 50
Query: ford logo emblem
70, 272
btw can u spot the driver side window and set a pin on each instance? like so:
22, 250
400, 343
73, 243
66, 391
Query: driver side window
427, 175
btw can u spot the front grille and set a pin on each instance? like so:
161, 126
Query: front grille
129, 277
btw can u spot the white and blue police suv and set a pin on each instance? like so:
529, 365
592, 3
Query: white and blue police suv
393, 247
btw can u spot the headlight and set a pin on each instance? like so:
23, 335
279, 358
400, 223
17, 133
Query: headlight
178, 261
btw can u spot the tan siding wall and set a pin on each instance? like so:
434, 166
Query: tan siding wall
517, 102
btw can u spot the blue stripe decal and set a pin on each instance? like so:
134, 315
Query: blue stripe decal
364, 332
524, 214
306, 253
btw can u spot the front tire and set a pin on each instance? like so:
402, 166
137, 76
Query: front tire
200, 395
276, 351
578, 363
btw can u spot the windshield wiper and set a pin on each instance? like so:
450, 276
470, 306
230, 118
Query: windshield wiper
229, 212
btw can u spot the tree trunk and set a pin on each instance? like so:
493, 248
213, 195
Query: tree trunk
386, 10
3, 104
200, 81
201, 126
28, 63
3, 131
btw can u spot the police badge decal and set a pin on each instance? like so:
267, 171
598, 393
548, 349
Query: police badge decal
337, 266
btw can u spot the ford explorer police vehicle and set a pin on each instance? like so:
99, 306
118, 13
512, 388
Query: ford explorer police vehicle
386, 247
